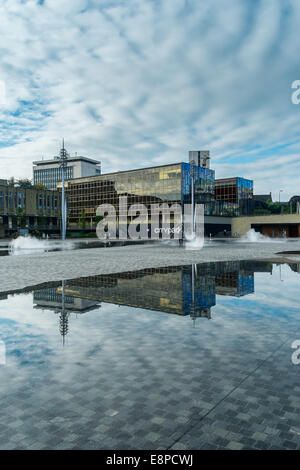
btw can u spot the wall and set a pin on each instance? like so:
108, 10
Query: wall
241, 225
87, 169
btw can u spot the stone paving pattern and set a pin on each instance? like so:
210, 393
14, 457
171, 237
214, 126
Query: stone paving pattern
27, 270
134, 379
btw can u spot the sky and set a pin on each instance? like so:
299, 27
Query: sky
137, 83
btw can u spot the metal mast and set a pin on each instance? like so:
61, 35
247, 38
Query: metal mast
64, 315
192, 173
63, 156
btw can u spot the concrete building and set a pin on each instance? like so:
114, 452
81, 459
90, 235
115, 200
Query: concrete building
274, 225
28, 209
50, 298
48, 172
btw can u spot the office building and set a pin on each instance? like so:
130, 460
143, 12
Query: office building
236, 191
28, 209
155, 185
48, 172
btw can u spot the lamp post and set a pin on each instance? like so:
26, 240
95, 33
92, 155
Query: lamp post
280, 191
192, 173
63, 156
63, 314
192, 312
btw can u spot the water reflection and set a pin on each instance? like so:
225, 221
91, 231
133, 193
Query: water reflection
181, 290
63, 300
136, 374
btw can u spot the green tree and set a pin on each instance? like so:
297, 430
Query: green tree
39, 186
261, 212
273, 207
19, 218
287, 209
24, 183
82, 219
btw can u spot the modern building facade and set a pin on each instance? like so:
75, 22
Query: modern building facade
48, 172
200, 158
236, 191
149, 186
156, 185
30, 208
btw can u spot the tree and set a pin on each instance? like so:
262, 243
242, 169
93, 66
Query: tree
39, 186
24, 183
261, 211
11, 181
273, 207
20, 217
82, 219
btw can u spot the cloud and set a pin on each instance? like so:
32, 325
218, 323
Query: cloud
142, 82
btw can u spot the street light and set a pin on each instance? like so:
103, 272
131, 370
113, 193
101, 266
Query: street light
192, 173
63, 157
64, 315
280, 191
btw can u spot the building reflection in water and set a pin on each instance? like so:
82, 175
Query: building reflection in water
181, 290
63, 300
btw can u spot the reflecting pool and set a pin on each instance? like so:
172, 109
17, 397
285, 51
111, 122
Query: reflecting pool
185, 357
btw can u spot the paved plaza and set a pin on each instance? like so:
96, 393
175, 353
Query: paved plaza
129, 378
24, 270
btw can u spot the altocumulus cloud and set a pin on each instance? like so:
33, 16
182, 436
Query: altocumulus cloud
141, 82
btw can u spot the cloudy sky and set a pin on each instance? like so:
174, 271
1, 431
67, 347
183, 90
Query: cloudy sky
136, 83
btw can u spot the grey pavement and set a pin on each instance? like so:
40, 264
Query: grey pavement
26, 270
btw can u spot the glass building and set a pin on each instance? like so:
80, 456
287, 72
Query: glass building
149, 186
154, 186
237, 191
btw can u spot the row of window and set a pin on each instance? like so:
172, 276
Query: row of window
47, 201
12, 199
51, 176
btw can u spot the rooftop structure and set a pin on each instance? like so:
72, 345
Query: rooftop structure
48, 172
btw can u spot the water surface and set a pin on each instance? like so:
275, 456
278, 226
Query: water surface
184, 357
